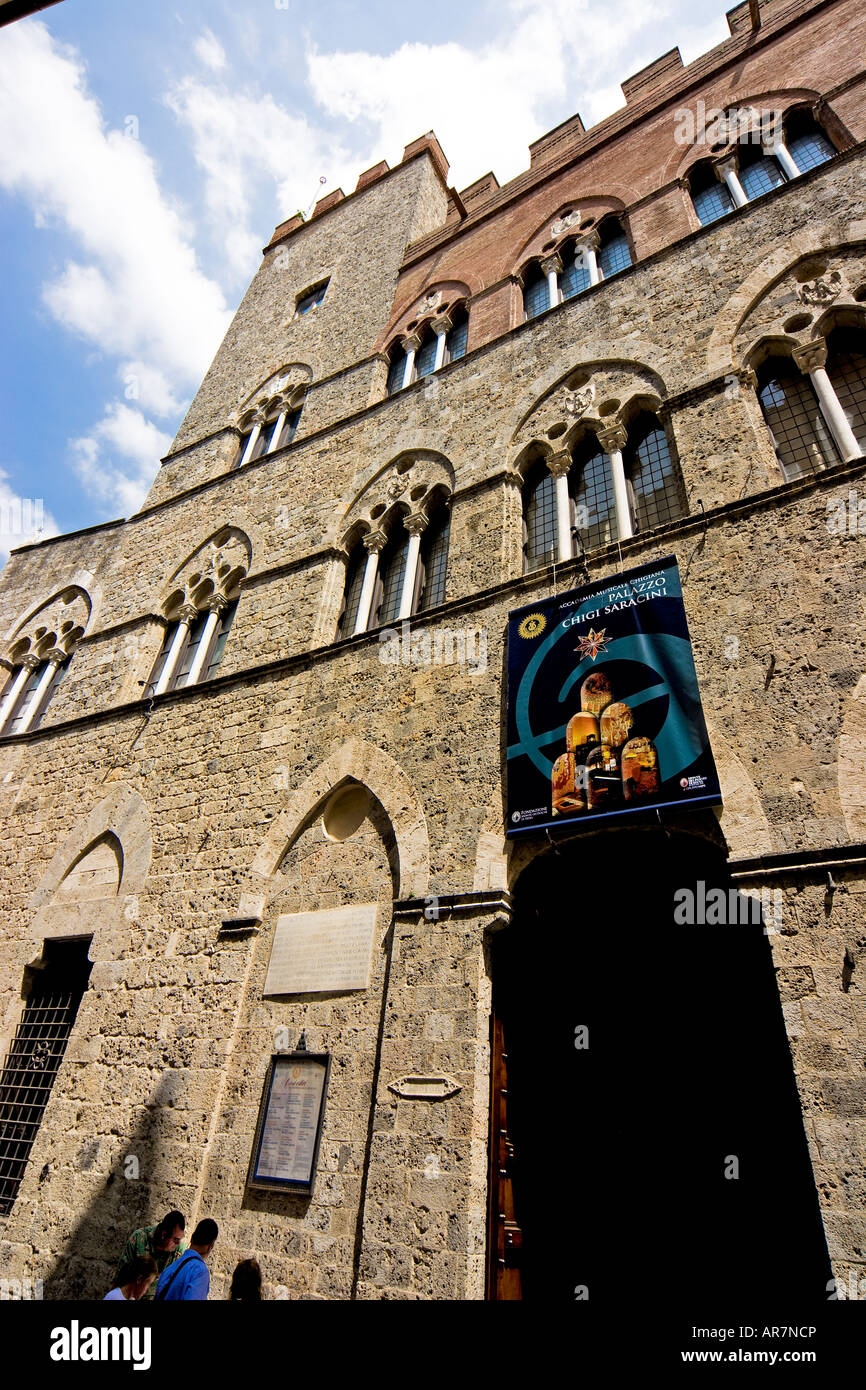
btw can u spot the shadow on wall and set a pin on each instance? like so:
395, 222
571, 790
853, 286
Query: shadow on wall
125, 1202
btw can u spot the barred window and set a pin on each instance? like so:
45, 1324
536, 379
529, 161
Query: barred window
195, 635
397, 370
352, 596
220, 638
57, 985
536, 294
710, 197
613, 253
808, 144
800, 437
392, 568
759, 173
539, 518
846, 368
657, 491
434, 559
456, 342
24, 715
425, 359
590, 487
575, 272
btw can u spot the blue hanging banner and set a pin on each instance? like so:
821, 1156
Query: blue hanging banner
604, 713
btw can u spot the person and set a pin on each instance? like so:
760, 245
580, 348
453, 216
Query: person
163, 1242
134, 1279
246, 1282
189, 1278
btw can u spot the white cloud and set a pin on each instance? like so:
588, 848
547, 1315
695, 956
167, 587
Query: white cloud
117, 461
243, 142
210, 51
134, 290
22, 519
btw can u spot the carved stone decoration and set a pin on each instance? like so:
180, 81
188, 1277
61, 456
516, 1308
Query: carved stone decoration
424, 1087
432, 301
562, 224
396, 487
823, 290
577, 403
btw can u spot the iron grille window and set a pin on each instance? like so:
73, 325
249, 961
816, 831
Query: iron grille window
354, 584
425, 359
392, 567
759, 173
575, 273
591, 487
539, 512
614, 255
34, 1058
655, 481
536, 295
846, 368
396, 371
222, 632
455, 343
808, 151
711, 198
801, 439
434, 559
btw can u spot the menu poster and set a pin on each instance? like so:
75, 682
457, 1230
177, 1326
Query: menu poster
604, 711
290, 1122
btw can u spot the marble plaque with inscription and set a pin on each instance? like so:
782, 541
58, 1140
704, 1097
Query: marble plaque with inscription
322, 952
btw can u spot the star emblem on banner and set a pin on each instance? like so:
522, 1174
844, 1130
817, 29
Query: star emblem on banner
593, 643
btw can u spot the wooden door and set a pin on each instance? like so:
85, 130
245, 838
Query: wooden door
504, 1236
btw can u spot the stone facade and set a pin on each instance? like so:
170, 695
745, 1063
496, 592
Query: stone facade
147, 822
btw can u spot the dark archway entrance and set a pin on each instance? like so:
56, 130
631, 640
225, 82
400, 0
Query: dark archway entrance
613, 1171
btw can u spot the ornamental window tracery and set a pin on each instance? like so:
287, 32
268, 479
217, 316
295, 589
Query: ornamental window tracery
762, 158
575, 264
37, 660
439, 337
199, 613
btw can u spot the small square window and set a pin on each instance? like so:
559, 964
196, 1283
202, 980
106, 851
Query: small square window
310, 299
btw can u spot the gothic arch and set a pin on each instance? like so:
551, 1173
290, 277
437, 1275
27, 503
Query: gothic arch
433, 301
819, 240
361, 762
122, 814
82, 580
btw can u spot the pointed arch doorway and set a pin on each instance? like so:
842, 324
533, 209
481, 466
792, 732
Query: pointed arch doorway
660, 1154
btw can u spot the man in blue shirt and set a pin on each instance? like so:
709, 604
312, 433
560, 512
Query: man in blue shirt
188, 1277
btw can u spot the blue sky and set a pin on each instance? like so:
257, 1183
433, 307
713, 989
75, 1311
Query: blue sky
148, 151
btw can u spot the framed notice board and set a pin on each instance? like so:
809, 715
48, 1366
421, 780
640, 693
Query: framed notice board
290, 1122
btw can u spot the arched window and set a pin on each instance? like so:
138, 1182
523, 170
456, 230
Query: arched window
385, 607
27, 693
192, 647
575, 277
311, 298
539, 517
590, 488
657, 495
536, 294
808, 144
800, 436
436, 343
433, 562
266, 436
759, 172
711, 198
352, 593
613, 252
846, 368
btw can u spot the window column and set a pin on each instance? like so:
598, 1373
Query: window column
251, 442
215, 605
54, 660
25, 670
726, 172
560, 466
186, 618
777, 149
374, 541
415, 524
613, 441
552, 268
587, 247
277, 430
411, 344
812, 359
441, 327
